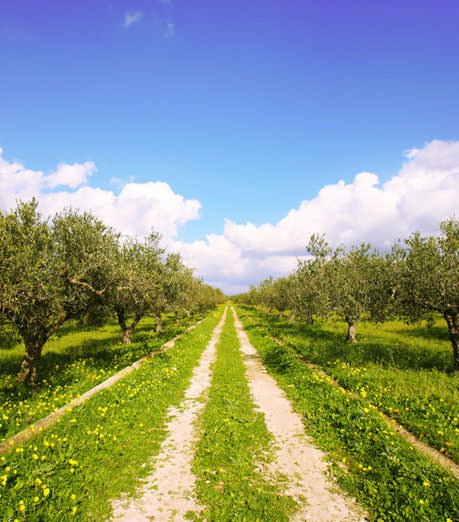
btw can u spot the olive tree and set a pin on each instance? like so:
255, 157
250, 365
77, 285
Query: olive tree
207, 296
426, 277
191, 294
50, 271
169, 281
281, 294
312, 277
357, 286
138, 285
350, 283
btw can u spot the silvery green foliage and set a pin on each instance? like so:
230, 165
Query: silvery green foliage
50, 271
426, 278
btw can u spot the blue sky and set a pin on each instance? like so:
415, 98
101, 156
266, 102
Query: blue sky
248, 107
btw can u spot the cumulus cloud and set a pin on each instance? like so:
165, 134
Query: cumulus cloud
135, 210
224, 264
424, 192
70, 175
132, 17
17, 182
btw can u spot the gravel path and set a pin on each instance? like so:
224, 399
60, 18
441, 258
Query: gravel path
294, 456
169, 490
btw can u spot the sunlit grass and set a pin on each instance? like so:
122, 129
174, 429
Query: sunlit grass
234, 442
74, 469
72, 363
369, 460
404, 370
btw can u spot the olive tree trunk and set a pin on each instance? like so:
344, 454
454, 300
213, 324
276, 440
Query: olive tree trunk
452, 319
124, 328
127, 330
29, 367
351, 328
159, 324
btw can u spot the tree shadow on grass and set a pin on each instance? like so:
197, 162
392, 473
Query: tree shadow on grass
323, 346
436, 333
98, 354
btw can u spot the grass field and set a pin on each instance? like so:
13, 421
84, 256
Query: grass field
74, 361
404, 370
367, 459
96, 452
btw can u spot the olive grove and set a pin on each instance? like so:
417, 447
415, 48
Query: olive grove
419, 277
73, 265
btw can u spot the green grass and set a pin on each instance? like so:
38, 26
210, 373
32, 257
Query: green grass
96, 452
234, 440
73, 362
404, 370
368, 460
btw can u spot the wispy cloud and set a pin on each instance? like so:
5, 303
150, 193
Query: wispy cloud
132, 17
170, 30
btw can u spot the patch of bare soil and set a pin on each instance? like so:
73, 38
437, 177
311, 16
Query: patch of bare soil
295, 456
168, 491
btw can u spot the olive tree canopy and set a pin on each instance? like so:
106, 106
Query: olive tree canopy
426, 276
50, 271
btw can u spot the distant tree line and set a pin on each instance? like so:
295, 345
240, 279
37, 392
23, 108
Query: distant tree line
417, 278
73, 266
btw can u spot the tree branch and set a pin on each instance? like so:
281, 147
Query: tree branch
88, 286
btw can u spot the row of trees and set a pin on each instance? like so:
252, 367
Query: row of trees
419, 277
73, 266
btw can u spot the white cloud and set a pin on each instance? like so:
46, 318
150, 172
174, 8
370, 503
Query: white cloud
17, 182
132, 17
135, 210
217, 260
170, 30
424, 192
71, 175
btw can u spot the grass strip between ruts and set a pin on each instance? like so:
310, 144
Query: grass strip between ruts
367, 459
98, 451
234, 443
